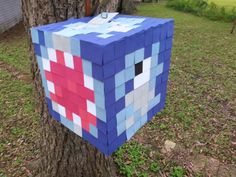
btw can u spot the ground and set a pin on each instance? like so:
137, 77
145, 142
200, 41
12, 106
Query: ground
195, 135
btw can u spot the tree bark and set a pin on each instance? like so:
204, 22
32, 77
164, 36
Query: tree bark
64, 154
127, 7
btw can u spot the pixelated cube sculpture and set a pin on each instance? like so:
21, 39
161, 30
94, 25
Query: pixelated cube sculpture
104, 82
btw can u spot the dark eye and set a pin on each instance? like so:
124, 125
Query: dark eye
138, 68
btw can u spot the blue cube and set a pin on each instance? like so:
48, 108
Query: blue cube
105, 81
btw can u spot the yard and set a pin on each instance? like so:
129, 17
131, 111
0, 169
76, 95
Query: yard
226, 3
200, 113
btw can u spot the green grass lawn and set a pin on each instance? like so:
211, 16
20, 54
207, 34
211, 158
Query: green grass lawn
18, 120
18, 125
14, 49
200, 108
226, 3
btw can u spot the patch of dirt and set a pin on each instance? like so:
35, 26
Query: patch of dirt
169, 146
227, 170
13, 33
194, 163
209, 166
201, 164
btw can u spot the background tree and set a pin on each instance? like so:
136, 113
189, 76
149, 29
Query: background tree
127, 6
64, 154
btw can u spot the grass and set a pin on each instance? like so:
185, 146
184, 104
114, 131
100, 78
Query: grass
18, 125
177, 172
14, 49
13, 94
18, 120
135, 155
200, 105
225, 3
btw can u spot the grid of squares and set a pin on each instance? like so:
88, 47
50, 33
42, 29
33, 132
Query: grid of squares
105, 90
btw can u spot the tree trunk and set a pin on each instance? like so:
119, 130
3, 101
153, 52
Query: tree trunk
127, 7
64, 154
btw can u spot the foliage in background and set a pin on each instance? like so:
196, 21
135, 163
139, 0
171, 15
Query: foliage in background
203, 8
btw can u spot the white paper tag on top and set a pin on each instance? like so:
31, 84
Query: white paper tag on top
99, 19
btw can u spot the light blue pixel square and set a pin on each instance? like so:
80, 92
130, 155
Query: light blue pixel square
93, 130
137, 125
139, 55
129, 60
48, 39
101, 114
156, 70
129, 73
152, 83
129, 110
75, 47
120, 78
159, 69
44, 52
99, 100
99, 87
130, 132
69, 124
154, 101
34, 36
105, 35
44, 81
87, 67
137, 115
143, 120
120, 92
121, 128
154, 61
120, 116
155, 48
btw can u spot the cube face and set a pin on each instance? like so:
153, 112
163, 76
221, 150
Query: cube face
104, 82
